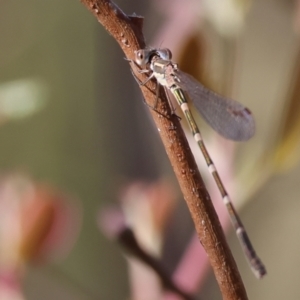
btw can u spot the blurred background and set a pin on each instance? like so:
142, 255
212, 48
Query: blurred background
81, 160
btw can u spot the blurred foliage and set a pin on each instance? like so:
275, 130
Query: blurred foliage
21, 98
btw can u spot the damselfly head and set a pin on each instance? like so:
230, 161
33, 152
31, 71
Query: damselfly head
144, 56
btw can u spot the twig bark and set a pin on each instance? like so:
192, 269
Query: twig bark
127, 31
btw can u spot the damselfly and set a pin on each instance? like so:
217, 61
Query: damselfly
228, 117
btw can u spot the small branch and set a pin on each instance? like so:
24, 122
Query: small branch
127, 30
128, 240
113, 225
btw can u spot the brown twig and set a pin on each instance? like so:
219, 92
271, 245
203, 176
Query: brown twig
113, 225
128, 240
127, 30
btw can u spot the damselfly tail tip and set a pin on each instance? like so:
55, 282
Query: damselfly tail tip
259, 270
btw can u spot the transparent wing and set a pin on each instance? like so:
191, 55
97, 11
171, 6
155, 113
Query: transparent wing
226, 116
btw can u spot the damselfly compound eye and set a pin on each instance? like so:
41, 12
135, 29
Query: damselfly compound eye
165, 53
140, 57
